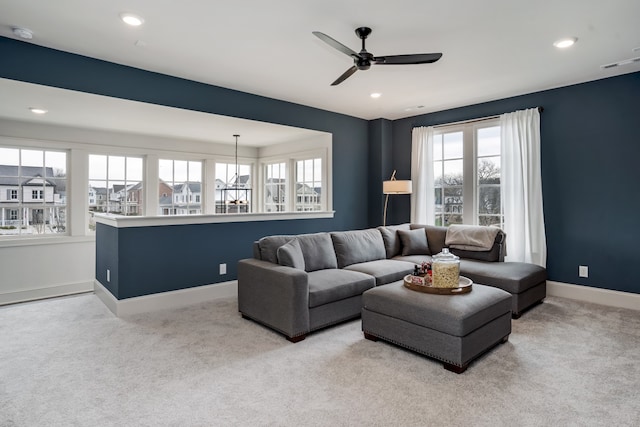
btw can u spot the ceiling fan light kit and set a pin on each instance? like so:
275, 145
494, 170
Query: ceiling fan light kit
363, 60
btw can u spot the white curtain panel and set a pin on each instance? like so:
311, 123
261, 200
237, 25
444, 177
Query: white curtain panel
521, 187
422, 196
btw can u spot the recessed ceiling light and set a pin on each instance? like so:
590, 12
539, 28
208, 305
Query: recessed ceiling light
36, 110
565, 43
376, 95
23, 33
131, 19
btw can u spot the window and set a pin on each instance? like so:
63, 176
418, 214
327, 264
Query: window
308, 186
183, 180
233, 188
33, 192
275, 187
488, 163
466, 172
117, 184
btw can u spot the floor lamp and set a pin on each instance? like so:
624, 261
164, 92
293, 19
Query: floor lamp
393, 186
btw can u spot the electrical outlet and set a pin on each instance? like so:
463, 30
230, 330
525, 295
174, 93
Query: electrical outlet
108, 275
583, 271
223, 268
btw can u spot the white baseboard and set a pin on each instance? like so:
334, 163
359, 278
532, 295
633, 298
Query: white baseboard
48, 292
165, 300
594, 295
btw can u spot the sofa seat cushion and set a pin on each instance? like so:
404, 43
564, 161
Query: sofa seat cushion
513, 277
357, 246
330, 285
384, 270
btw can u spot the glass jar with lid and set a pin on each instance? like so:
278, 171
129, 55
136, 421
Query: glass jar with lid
446, 270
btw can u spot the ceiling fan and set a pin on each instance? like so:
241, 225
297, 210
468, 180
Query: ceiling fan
364, 59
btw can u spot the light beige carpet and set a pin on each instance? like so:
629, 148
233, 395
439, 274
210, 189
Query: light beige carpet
70, 362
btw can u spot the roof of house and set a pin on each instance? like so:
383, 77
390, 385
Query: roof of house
9, 175
194, 187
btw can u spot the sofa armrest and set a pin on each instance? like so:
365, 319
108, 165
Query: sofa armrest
274, 295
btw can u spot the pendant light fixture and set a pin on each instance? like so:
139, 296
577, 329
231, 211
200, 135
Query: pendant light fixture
237, 200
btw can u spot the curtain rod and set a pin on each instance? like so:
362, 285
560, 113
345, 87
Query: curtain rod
481, 119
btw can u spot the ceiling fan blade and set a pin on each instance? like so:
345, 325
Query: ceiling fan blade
335, 44
345, 75
418, 58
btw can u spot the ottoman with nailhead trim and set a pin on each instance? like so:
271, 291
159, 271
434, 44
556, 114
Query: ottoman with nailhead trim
455, 329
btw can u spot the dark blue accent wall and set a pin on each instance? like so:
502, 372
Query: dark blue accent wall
590, 152
380, 165
590, 148
149, 260
108, 259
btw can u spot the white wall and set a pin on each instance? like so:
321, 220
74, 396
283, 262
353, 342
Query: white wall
31, 271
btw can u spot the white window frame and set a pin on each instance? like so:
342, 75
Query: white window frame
179, 198
291, 159
287, 186
51, 209
254, 205
470, 185
140, 203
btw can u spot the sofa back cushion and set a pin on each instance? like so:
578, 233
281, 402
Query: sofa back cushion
290, 255
267, 247
414, 242
392, 243
352, 247
317, 250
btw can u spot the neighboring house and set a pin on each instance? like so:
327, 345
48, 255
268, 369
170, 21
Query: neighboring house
29, 199
185, 199
98, 199
307, 198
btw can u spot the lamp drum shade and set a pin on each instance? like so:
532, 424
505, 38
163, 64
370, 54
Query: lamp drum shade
396, 187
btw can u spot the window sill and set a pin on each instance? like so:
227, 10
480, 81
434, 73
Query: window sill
120, 221
39, 241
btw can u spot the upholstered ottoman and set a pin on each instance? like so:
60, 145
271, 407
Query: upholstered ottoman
455, 329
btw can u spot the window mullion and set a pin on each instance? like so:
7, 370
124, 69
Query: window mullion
468, 165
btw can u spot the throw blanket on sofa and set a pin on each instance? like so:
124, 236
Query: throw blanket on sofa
471, 237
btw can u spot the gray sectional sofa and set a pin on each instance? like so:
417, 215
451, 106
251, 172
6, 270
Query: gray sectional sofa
299, 284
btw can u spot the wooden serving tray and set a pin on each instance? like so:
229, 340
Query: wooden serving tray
464, 287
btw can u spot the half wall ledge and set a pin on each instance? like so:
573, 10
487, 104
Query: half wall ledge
121, 221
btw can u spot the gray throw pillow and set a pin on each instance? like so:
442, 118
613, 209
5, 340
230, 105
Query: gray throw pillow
414, 242
290, 255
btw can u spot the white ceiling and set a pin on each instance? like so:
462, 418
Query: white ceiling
492, 48
79, 109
